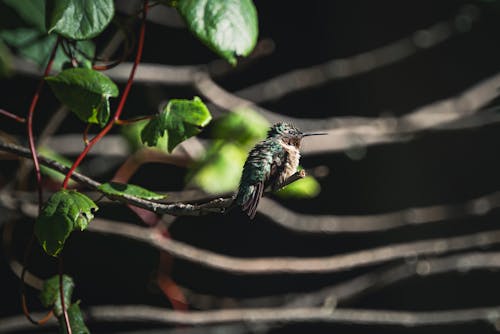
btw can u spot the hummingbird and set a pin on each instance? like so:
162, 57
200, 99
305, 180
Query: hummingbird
269, 164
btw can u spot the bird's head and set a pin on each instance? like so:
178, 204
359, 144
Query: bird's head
289, 134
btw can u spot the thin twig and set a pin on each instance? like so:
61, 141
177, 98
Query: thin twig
298, 265
333, 224
336, 69
289, 219
29, 123
36, 164
151, 314
12, 116
343, 293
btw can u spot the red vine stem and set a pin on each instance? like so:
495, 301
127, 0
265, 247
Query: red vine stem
29, 125
31, 139
11, 115
119, 109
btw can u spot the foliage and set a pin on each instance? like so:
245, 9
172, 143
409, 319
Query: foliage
220, 169
228, 27
77, 19
51, 296
64, 212
58, 33
179, 120
121, 189
86, 92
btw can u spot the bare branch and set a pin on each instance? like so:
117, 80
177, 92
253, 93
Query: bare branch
354, 288
275, 265
298, 265
218, 205
330, 224
296, 221
144, 313
335, 69
271, 315
347, 132
344, 292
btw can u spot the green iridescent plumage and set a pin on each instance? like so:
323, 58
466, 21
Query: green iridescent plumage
269, 164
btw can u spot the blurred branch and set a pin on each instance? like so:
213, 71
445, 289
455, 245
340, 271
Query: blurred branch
348, 132
342, 293
150, 314
297, 265
306, 78
330, 224
272, 315
354, 288
292, 220
154, 237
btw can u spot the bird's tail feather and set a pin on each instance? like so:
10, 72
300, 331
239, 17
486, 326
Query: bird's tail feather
250, 206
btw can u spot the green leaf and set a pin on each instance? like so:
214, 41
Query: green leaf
220, 170
228, 27
31, 12
65, 211
244, 127
86, 92
75, 320
50, 294
180, 120
77, 19
307, 187
37, 46
132, 133
120, 189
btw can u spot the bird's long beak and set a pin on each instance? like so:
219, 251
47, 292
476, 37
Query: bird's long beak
307, 134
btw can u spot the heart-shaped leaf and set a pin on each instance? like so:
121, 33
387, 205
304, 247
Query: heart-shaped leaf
86, 92
228, 27
77, 19
65, 211
180, 120
50, 294
120, 189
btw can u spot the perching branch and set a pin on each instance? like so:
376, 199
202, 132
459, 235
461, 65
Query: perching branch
294, 221
218, 205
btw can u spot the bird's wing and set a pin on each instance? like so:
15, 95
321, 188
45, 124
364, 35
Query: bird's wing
261, 169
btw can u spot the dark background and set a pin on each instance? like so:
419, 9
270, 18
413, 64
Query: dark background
433, 168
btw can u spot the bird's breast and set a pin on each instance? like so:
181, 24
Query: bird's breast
291, 162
